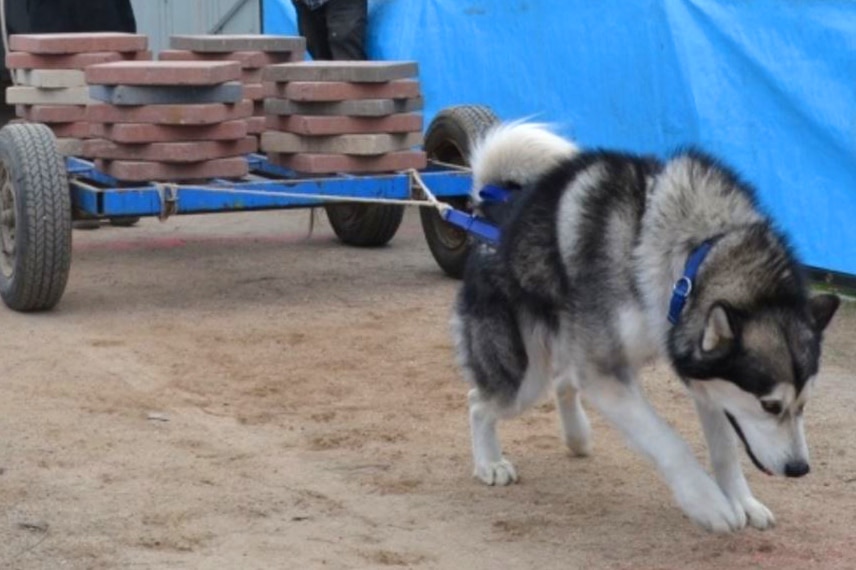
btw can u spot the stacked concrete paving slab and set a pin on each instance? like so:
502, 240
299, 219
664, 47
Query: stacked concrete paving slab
343, 116
169, 120
251, 51
50, 86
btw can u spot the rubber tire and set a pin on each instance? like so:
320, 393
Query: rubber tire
124, 221
364, 225
37, 272
449, 139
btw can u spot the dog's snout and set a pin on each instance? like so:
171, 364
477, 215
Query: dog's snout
796, 469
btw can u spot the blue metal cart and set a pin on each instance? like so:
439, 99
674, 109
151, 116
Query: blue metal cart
42, 192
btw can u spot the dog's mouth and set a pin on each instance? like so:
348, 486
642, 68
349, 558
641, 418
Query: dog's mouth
746, 445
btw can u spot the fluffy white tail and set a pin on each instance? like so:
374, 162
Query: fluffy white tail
516, 153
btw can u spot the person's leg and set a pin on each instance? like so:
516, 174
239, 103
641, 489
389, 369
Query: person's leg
49, 17
312, 25
127, 20
100, 16
346, 28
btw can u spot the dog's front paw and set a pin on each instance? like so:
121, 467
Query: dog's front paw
500, 472
702, 501
757, 514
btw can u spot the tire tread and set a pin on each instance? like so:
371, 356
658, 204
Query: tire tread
469, 123
43, 237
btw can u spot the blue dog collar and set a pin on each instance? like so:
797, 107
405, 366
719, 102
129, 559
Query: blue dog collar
684, 286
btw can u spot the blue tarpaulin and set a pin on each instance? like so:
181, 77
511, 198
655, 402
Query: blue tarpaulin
768, 86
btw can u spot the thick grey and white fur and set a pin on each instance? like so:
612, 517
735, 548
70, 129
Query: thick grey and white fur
575, 298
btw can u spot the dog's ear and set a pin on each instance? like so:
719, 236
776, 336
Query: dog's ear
719, 330
822, 309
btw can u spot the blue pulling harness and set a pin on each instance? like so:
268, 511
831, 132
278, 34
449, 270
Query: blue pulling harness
491, 193
475, 225
488, 232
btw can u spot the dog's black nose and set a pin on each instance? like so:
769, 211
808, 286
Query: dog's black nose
796, 469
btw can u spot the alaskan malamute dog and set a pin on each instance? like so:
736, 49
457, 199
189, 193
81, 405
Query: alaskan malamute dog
607, 260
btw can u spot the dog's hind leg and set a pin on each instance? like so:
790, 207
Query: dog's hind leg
490, 466
576, 429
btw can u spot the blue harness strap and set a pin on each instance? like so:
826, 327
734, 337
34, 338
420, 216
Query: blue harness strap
479, 228
684, 286
474, 225
491, 193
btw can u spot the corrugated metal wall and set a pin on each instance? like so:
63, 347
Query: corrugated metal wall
160, 19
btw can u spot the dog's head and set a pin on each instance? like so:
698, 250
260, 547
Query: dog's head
758, 367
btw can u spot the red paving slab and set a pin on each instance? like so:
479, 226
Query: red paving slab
203, 114
149, 133
77, 42
332, 163
251, 76
23, 60
51, 113
139, 171
78, 130
170, 152
256, 125
249, 60
254, 91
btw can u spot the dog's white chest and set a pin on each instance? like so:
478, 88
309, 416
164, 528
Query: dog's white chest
639, 339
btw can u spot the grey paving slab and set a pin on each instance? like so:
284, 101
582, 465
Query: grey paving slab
231, 92
363, 144
357, 71
352, 108
229, 43
37, 96
50, 78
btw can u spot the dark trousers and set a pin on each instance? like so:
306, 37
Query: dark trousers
57, 16
336, 30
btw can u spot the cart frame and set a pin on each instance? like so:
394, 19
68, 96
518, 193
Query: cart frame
41, 193
97, 195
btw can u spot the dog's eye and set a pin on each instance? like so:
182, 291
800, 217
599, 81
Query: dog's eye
771, 407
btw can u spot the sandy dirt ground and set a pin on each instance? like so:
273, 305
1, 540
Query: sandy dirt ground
219, 392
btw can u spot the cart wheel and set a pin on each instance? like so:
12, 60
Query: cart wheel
35, 218
448, 139
364, 225
124, 221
